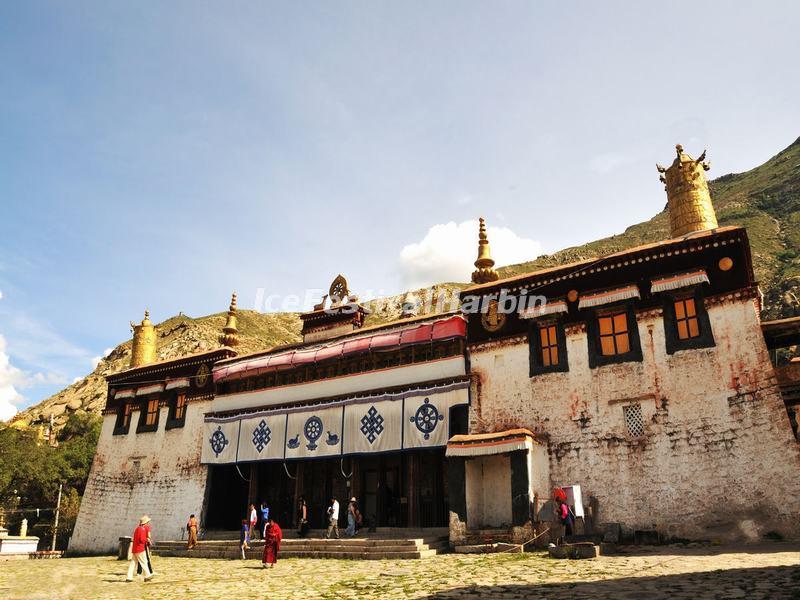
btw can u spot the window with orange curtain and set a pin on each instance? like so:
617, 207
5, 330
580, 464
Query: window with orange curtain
180, 407
614, 338
686, 319
548, 345
151, 417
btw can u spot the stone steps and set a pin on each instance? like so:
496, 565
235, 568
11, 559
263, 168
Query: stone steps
395, 533
352, 548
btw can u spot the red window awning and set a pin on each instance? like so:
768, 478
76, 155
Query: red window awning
385, 341
304, 357
450, 328
357, 346
417, 335
280, 361
329, 352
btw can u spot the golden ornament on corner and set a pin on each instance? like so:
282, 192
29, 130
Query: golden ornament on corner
572, 295
725, 263
493, 320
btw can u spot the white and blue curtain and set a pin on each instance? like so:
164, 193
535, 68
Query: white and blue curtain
261, 437
379, 423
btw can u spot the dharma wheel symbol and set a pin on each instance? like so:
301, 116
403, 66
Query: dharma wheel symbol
218, 441
312, 430
426, 418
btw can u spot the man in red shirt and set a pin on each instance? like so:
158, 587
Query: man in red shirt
138, 550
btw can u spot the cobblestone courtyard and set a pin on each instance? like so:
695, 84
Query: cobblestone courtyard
770, 571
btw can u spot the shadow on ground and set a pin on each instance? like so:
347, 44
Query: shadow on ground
705, 549
774, 583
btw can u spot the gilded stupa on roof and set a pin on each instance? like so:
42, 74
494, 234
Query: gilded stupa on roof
143, 348
484, 266
689, 201
230, 333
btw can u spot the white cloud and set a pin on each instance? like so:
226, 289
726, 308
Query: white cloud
610, 161
448, 251
1, 294
96, 359
49, 378
9, 376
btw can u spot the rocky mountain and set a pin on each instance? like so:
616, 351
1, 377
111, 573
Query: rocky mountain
181, 335
765, 199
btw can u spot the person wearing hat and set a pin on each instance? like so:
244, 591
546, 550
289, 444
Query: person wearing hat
139, 551
352, 511
149, 528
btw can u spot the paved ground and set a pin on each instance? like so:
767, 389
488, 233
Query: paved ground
771, 571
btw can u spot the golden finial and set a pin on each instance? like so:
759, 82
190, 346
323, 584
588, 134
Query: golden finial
688, 199
484, 271
409, 307
230, 333
143, 349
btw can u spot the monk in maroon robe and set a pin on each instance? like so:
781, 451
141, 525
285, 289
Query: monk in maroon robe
272, 543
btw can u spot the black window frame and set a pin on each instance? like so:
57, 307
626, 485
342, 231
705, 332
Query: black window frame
142, 427
596, 356
172, 421
672, 341
119, 428
537, 366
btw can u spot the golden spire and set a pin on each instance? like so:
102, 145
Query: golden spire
230, 333
143, 349
688, 198
484, 271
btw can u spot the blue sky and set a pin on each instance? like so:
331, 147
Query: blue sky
164, 154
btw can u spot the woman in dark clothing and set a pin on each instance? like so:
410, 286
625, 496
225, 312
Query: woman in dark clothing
302, 517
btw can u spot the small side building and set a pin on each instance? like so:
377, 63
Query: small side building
148, 456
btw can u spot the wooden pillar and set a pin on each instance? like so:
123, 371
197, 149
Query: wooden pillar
413, 490
298, 491
355, 480
252, 488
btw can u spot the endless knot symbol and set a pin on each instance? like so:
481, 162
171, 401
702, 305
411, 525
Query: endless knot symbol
426, 418
312, 430
372, 424
261, 435
218, 441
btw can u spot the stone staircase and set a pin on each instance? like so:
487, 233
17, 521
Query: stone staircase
374, 547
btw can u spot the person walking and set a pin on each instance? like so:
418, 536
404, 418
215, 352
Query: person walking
302, 517
352, 507
272, 543
138, 551
251, 512
191, 528
244, 537
333, 519
149, 557
566, 516
264, 518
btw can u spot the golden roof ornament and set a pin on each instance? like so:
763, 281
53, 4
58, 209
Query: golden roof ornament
688, 199
339, 292
230, 333
143, 348
409, 307
484, 267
